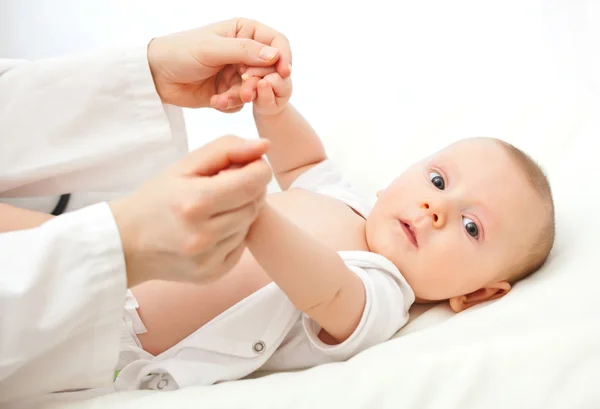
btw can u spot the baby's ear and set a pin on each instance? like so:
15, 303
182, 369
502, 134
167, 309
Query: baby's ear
487, 293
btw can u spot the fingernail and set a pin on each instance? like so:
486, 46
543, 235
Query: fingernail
268, 53
253, 95
229, 104
290, 67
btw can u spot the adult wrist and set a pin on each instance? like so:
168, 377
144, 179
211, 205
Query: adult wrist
126, 232
153, 56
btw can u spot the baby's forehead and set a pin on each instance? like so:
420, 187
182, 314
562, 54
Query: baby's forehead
479, 160
481, 146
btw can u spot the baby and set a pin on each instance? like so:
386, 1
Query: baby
328, 273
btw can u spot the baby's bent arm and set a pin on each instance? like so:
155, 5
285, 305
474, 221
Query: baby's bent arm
314, 277
13, 218
295, 146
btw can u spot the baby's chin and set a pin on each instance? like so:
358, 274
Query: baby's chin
419, 300
426, 297
380, 245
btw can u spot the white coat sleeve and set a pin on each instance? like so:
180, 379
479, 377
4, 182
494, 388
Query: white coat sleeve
69, 125
90, 123
62, 289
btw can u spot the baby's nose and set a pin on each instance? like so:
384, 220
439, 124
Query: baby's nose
438, 218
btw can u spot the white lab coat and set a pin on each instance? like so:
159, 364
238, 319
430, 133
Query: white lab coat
95, 127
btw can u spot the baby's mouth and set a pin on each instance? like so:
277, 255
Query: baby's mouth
410, 233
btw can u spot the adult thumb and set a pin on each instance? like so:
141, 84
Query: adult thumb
222, 153
243, 51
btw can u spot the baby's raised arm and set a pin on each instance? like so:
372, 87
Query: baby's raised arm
314, 277
295, 145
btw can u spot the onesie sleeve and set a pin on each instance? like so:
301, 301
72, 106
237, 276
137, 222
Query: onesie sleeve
388, 299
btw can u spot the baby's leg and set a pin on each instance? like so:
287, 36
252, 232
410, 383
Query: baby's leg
13, 218
171, 311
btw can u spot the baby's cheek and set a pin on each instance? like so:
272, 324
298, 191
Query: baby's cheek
446, 261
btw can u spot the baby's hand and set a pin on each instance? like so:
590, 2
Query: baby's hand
270, 93
273, 93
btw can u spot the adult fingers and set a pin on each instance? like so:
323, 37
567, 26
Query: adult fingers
224, 256
223, 193
236, 220
267, 35
234, 256
220, 154
225, 50
260, 72
228, 100
238, 187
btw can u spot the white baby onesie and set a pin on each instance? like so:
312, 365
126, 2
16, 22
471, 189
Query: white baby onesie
265, 331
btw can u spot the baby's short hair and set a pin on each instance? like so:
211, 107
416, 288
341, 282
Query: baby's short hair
544, 241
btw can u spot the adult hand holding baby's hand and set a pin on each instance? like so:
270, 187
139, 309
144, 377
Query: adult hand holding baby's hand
199, 68
190, 223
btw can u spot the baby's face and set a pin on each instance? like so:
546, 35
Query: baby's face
456, 221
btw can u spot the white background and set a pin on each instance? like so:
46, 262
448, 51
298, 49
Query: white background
374, 78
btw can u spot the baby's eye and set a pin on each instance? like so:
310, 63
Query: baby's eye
471, 227
437, 180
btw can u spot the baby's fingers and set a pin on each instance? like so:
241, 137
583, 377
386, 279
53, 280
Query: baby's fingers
281, 87
266, 96
248, 89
